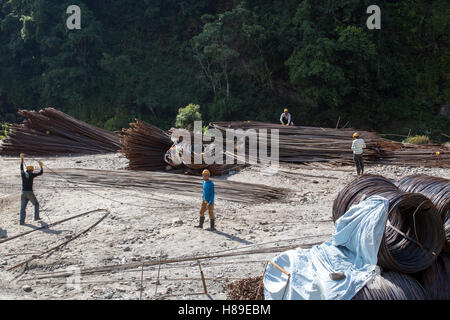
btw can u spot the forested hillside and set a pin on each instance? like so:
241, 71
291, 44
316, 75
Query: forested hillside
239, 60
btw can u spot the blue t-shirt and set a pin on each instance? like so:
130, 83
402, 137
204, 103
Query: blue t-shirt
208, 191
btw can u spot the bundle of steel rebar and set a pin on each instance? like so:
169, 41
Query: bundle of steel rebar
246, 289
145, 146
436, 279
414, 234
170, 183
304, 144
392, 286
314, 144
50, 132
437, 190
415, 156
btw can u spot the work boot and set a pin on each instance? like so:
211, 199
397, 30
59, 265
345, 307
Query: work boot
200, 225
212, 225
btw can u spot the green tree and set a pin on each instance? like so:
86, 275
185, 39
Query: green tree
187, 116
239, 60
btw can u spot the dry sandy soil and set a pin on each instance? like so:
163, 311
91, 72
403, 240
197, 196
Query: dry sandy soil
161, 227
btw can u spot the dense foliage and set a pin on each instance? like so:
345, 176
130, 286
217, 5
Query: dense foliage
237, 60
187, 116
4, 127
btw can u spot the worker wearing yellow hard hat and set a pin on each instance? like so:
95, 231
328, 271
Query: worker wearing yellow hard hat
286, 118
27, 189
208, 200
357, 146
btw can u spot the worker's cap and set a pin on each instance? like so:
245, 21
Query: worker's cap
438, 153
206, 171
355, 135
286, 110
30, 168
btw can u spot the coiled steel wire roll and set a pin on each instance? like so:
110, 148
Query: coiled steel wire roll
414, 234
436, 279
392, 285
437, 190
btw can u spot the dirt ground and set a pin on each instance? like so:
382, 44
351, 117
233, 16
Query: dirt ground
150, 227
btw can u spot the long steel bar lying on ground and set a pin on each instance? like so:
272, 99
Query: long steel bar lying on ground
437, 190
59, 246
414, 235
123, 267
51, 225
171, 183
50, 132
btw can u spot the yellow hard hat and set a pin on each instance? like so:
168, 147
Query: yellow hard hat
30, 168
438, 153
206, 171
286, 110
355, 135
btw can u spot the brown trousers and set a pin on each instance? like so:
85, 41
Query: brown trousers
210, 210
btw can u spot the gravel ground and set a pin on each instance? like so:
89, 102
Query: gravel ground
162, 230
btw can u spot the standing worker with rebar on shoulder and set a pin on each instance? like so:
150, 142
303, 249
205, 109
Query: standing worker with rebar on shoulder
208, 200
357, 147
27, 190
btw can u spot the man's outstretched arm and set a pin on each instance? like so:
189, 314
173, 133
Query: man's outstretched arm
42, 168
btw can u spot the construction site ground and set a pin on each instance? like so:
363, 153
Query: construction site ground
145, 226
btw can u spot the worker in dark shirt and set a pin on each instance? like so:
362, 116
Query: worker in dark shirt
27, 190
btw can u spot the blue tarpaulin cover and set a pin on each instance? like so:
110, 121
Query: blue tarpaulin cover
352, 251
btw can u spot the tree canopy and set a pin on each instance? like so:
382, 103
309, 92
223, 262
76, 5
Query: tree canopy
238, 60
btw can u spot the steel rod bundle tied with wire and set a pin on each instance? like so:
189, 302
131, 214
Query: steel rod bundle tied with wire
50, 132
302, 144
437, 190
145, 146
436, 279
414, 233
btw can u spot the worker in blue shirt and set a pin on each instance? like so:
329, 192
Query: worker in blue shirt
208, 200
